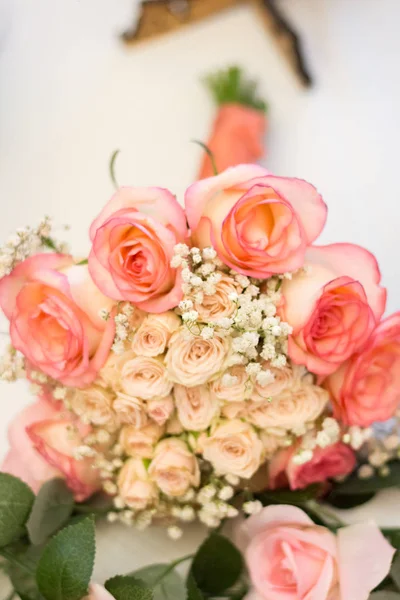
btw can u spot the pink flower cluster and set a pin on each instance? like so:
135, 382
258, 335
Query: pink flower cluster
216, 336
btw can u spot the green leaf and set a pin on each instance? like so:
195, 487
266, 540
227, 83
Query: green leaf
353, 485
348, 500
16, 500
66, 565
164, 581
231, 85
295, 497
193, 592
217, 565
384, 595
395, 570
128, 588
82, 262
20, 567
51, 510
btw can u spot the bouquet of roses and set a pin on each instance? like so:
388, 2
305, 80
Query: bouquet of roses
201, 360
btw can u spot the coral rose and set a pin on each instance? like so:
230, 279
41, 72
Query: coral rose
366, 388
196, 406
290, 410
291, 558
140, 442
233, 448
53, 307
152, 337
258, 223
144, 377
236, 138
336, 460
134, 485
43, 441
333, 308
174, 468
133, 242
192, 360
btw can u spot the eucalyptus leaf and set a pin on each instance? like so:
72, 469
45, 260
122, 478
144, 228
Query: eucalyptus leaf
51, 510
66, 565
16, 500
217, 565
165, 582
353, 485
128, 588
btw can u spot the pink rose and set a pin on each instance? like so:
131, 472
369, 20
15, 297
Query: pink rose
336, 460
53, 307
43, 441
334, 307
133, 242
366, 388
98, 592
291, 558
258, 223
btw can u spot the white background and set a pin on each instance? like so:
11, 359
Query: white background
71, 93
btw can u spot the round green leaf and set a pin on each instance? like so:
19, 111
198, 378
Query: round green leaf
51, 509
217, 565
66, 565
128, 588
16, 500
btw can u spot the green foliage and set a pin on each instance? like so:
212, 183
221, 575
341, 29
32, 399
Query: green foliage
128, 588
232, 86
66, 565
193, 592
51, 510
163, 580
217, 565
353, 485
16, 500
294, 497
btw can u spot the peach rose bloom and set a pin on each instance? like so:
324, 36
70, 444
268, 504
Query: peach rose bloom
287, 378
234, 410
237, 138
366, 388
98, 592
160, 409
196, 406
191, 360
291, 409
144, 377
53, 307
140, 442
291, 558
174, 426
153, 335
336, 460
233, 448
334, 308
258, 223
219, 305
130, 410
174, 468
133, 242
43, 441
236, 392
95, 405
134, 485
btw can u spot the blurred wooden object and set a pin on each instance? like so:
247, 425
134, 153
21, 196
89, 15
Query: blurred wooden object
158, 17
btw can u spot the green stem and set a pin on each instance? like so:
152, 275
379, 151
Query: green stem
89, 510
14, 559
172, 566
325, 513
209, 153
112, 168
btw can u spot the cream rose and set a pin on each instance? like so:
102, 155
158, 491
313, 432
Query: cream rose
191, 360
288, 377
233, 448
145, 378
196, 406
160, 409
134, 485
174, 468
234, 385
130, 410
234, 410
94, 405
152, 337
140, 442
219, 305
290, 410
